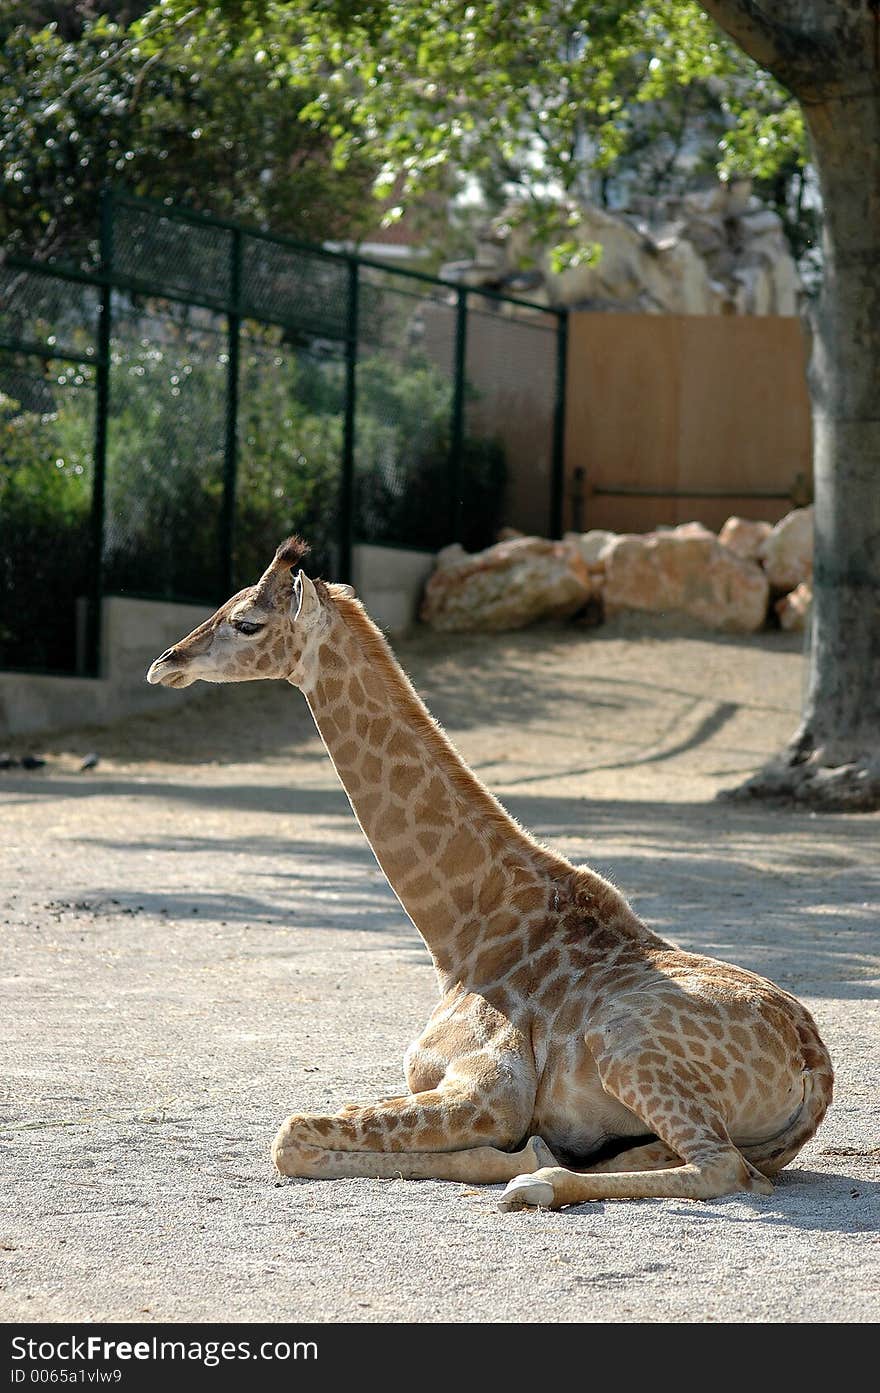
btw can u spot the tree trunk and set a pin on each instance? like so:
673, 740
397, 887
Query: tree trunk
833, 761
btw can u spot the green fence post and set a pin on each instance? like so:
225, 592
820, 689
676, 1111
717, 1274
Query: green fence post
99, 464
230, 449
346, 482
557, 484
456, 431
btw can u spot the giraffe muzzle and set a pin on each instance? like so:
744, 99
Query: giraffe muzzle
167, 670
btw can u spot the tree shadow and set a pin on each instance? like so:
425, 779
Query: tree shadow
706, 876
520, 677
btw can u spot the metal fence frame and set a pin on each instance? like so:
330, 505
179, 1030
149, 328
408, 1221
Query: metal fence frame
108, 278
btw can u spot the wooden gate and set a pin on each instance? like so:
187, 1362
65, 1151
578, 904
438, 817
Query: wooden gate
677, 417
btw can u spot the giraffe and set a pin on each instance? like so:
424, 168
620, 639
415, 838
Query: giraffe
573, 1054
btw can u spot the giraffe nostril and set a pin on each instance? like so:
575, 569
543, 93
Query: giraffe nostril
163, 657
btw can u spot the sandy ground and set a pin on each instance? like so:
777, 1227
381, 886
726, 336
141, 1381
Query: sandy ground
196, 940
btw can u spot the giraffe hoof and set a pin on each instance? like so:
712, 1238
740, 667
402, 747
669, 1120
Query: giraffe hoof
283, 1151
537, 1150
526, 1192
759, 1184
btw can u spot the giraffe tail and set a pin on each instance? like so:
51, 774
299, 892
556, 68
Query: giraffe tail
770, 1154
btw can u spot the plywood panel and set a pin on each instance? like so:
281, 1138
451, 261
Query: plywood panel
622, 404
511, 373
617, 514
511, 383
744, 419
663, 405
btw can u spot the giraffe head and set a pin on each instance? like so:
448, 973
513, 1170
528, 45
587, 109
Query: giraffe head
264, 631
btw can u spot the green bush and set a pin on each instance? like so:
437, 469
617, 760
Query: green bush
403, 444
290, 451
45, 501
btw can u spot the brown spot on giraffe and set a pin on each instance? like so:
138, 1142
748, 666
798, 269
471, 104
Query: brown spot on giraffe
406, 780
379, 728
394, 821
371, 767
463, 855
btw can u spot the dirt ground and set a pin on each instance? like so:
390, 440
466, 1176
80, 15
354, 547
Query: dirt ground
196, 940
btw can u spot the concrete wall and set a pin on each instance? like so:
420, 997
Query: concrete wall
511, 366
671, 403
389, 582
134, 632
511, 362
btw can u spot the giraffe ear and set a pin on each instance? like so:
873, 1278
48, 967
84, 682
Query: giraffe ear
304, 600
296, 598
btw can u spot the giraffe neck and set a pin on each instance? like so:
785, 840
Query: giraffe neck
463, 870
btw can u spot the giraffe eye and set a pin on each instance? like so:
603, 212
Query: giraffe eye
246, 627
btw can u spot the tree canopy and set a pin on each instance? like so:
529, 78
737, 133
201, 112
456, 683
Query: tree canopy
545, 100
165, 107
286, 111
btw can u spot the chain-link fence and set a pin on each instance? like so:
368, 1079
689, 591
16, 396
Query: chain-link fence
169, 419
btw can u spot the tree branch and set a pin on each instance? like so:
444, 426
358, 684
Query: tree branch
798, 41
125, 48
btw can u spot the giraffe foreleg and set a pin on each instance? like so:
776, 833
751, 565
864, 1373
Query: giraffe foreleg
460, 1130
476, 1165
553, 1187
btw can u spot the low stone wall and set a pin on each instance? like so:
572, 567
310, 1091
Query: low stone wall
134, 632
390, 583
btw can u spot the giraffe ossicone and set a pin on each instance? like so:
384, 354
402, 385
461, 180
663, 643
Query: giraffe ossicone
574, 1053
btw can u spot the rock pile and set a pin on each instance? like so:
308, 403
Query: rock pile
745, 538
724, 582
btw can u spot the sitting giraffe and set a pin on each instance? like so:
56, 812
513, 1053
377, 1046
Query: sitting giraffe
634, 1069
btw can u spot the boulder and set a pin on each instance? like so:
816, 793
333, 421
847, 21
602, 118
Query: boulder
507, 586
453, 555
794, 609
787, 554
665, 276
715, 251
744, 537
685, 571
691, 529
591, 545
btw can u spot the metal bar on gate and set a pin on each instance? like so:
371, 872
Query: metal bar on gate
99, 463
44, 351
230, 448
456, 432
599, 490
144, 286
346, 482
557, 483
